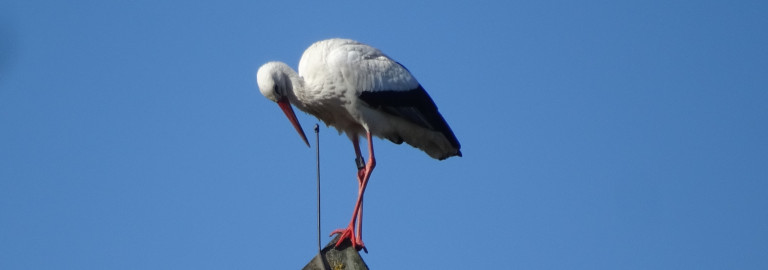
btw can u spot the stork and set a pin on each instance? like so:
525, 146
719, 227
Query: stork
361, 92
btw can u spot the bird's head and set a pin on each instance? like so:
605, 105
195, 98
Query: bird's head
274, 80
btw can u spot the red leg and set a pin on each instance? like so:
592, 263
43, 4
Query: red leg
363, 175
363, 183
360, 174
360, 162
361, 189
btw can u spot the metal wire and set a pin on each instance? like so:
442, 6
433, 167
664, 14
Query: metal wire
317, 157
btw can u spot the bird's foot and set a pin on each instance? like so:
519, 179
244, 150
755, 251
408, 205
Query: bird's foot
349, 234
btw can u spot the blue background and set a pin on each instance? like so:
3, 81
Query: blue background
596, 135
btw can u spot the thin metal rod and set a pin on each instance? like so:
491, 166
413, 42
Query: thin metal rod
317, 157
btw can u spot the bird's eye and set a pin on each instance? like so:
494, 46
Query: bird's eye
276, 91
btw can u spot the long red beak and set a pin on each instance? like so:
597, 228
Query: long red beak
288, 110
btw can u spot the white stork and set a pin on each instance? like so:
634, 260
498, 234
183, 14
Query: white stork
362, 92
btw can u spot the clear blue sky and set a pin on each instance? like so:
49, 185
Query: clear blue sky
596, 135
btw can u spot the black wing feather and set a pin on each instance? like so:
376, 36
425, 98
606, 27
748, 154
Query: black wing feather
415, 106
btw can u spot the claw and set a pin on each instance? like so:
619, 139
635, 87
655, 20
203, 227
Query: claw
348, 233
361, 245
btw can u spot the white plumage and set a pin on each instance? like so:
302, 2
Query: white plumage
362, 92
334, 73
